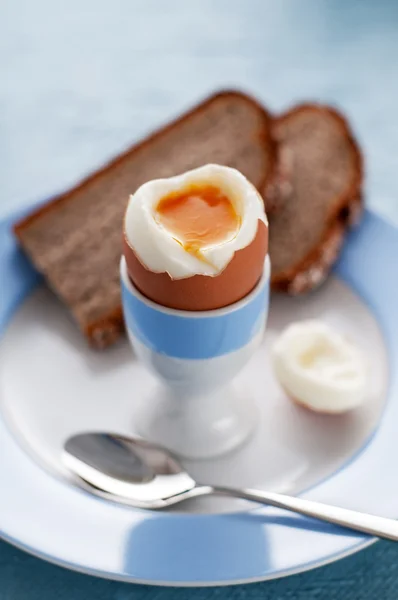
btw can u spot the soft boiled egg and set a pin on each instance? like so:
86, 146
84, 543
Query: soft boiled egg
197, 241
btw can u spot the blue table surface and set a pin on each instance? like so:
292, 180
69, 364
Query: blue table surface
81, 80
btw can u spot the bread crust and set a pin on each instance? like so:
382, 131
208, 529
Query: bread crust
311, 270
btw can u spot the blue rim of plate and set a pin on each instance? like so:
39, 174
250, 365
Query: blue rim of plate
52, 519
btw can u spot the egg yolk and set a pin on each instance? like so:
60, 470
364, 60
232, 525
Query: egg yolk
198, 217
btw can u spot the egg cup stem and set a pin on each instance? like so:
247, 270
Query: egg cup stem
197, 426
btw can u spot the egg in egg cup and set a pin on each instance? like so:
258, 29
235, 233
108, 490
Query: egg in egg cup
195, 313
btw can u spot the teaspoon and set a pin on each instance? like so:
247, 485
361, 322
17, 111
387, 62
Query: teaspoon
141, 474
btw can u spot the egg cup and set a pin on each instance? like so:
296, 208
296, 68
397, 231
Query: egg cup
196, 412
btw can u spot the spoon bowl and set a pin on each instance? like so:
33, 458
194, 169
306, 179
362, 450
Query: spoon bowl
129, 470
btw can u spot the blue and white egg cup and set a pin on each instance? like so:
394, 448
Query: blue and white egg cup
195, 355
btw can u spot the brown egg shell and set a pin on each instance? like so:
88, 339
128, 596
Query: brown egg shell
201, 292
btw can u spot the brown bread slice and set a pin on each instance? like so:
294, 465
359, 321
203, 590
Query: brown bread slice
75, 240
325, 174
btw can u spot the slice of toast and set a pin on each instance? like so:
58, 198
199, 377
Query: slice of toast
323, 172
75, 240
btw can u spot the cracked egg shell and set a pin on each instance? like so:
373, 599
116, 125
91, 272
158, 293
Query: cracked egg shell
202, 292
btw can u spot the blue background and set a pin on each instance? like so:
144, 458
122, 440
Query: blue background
80, 80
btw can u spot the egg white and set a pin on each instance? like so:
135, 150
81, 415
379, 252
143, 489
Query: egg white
318, 367
156, 247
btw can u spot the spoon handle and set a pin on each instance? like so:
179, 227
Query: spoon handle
377, 526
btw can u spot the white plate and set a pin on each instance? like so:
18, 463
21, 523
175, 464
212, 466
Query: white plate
52, 385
